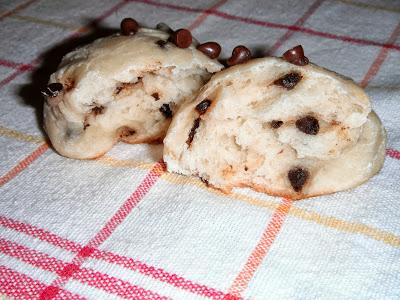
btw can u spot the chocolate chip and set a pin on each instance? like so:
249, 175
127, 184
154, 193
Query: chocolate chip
192, 132
203, 106
240, 54
276, 124
296, 56
298, 178
156, 96
161, 43
182, 38
126, 131
288, 81
164, 27
129, 26
211, 49
97, 110
52, 90
166, 110
308, 125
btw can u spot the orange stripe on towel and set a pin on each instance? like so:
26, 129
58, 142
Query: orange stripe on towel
23, 164
268, 237
19, 7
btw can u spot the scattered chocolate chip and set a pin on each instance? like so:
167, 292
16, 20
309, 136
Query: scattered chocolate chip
52, 90
97, 110
203, 106
246, 168
308, 125
166, 110
192, 132
240, 54
85, 125
161, 43
126, 131
156, 96
164, 27
182, 38
288, 81
298, 178
211, 49
129, 26
296, 56
276, 124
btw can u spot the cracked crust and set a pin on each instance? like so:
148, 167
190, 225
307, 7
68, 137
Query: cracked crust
256, 132
118, 89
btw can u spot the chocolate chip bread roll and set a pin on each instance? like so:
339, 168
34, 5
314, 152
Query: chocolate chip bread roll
280, 126
124, 87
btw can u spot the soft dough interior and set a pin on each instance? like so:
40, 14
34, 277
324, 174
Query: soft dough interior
122, 88
236, 143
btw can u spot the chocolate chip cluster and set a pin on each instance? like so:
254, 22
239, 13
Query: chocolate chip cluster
182, 38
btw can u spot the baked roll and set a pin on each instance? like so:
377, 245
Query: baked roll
124, 87
285, 127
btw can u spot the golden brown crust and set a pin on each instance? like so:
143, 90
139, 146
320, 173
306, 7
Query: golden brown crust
157, 139
258, 188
